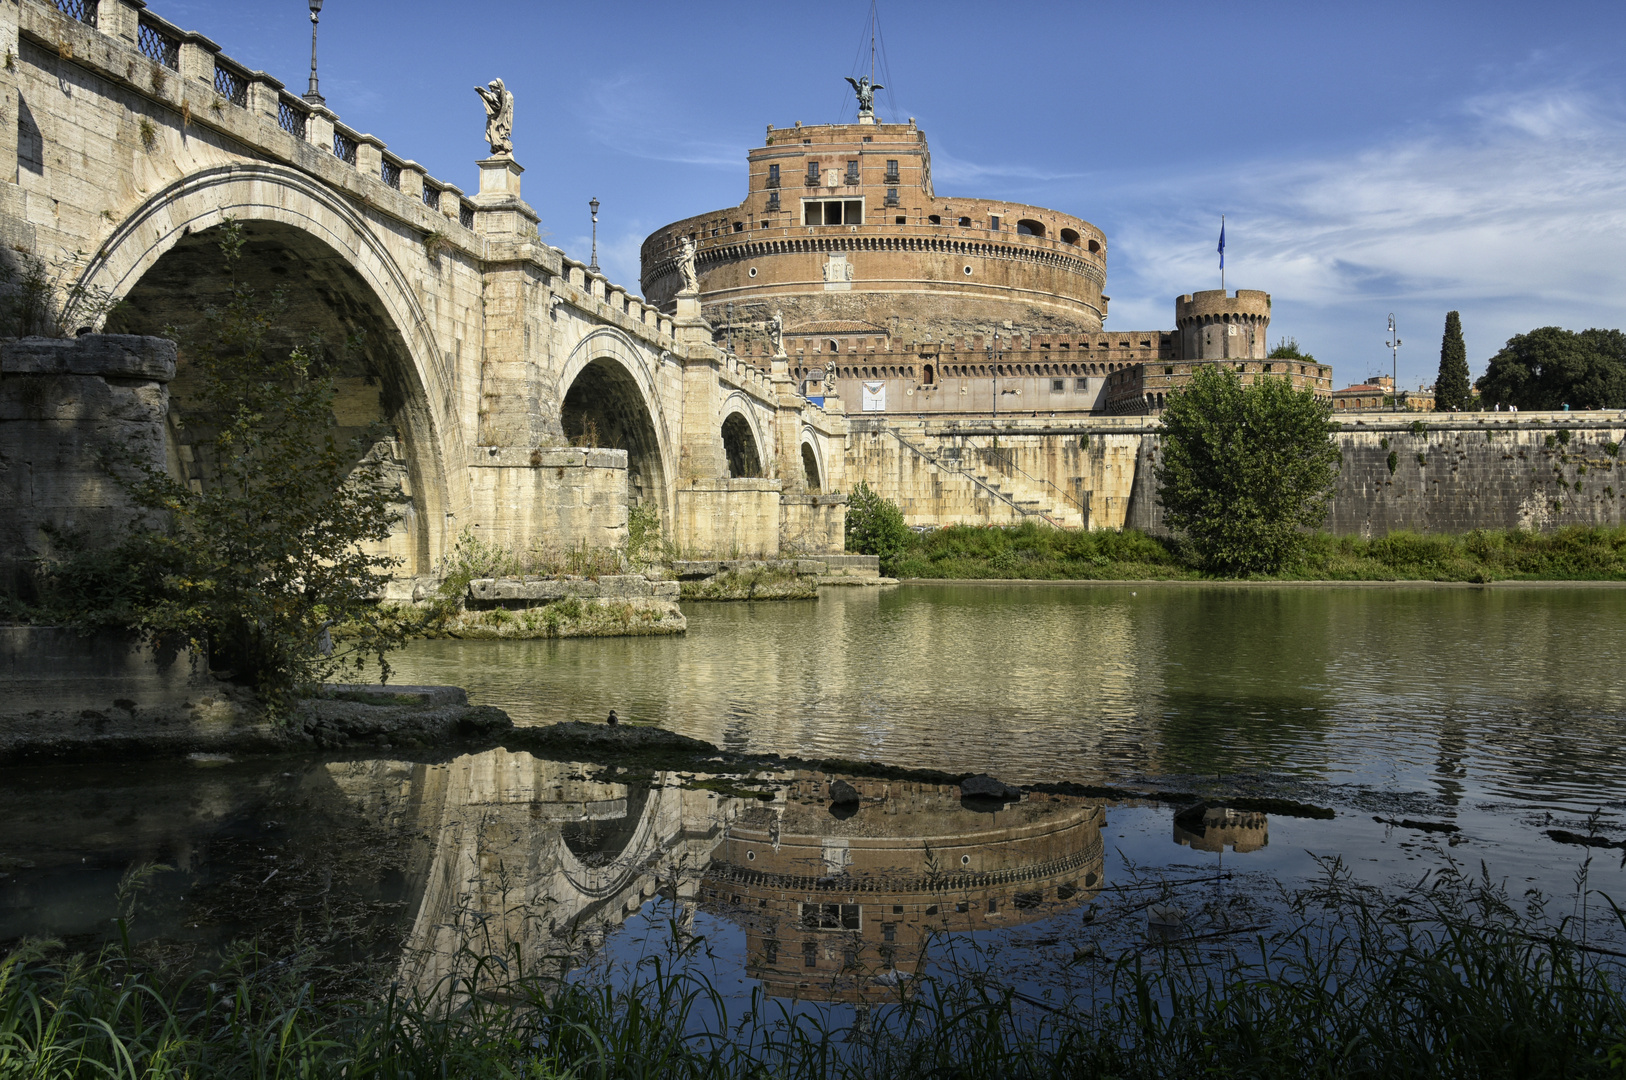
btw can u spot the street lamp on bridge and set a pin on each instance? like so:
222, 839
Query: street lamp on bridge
593, 206
313, 95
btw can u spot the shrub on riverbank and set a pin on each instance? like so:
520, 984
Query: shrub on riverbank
1032, 551
1448, 978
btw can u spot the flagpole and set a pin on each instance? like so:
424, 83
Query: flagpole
1222, 253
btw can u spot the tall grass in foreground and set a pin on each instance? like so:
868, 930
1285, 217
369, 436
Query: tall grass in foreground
1451, 978
1035, 551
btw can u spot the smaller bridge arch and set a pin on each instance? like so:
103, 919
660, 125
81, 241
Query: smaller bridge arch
609, 398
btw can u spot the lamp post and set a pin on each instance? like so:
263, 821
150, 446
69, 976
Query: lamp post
996, 354
1394, 360
313, 95
593, 206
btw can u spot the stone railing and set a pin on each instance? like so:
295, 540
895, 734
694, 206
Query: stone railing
131, 46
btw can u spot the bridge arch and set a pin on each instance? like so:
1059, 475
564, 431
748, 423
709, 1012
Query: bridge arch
162, 259
813, 468
609, 398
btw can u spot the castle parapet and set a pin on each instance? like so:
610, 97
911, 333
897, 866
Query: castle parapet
1217, 326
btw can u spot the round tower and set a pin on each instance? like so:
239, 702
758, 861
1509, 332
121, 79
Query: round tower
1215, 326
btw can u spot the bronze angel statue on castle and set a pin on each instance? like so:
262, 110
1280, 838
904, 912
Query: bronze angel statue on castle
866, 93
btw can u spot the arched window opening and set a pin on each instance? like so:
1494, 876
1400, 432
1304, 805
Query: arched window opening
833, 345
1095, 245
965, 223
935, 219
1029, 227
1069, 236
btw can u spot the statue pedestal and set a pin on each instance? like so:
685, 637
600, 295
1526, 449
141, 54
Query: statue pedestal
866, 118
499, 211
687, 325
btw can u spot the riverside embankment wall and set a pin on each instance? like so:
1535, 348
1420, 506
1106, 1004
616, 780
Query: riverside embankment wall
1451, 472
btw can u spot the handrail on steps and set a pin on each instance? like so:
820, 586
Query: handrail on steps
990, 489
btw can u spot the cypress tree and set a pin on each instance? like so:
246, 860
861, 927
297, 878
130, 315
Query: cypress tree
1451, 386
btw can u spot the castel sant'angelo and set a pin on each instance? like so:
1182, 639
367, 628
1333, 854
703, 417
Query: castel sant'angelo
899, 300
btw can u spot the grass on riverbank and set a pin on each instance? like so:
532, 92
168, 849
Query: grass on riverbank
1448, 978
1041, 552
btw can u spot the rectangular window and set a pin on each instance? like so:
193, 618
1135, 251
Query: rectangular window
892, 172
832, 917
812, 172
993, 222
1081, 384
892, 196
889, 931
770, 951
810, 954
1058, 385
773, 204
773, 176
832, 211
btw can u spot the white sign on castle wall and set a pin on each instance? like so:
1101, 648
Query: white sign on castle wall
875, 397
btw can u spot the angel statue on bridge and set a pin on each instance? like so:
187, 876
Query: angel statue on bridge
499, 105
866, 93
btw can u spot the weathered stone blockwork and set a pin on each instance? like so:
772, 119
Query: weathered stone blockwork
69, 410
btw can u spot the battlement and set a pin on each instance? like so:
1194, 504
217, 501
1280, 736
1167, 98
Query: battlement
1216, 304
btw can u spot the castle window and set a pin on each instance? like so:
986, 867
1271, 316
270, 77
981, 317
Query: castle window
900, 221
965, 223
1081, 384
1068, 236
832, 212
934, 219
889, 931
834, 346
773, 204
852, 172
770, 951
831, 917
892, 172
810, 954
773, 176
1029, 227
1169, 370
813, 172
1058, 385
1095, 245
993, 222
926, 375
739, 226
891, 196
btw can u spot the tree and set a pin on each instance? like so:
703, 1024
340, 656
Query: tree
1451, 384
1288, 349
1244, 471
262, 562
1551, 367
875, 527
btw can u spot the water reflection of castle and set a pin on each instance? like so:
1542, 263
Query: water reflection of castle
538, 860
1216, 828
843, 907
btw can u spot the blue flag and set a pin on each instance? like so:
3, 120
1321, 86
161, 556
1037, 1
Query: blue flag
1222, 244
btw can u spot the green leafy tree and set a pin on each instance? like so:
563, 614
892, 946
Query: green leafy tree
271, 554
1451, 384
1288, 349
1244, 471
875, 527
1551, 367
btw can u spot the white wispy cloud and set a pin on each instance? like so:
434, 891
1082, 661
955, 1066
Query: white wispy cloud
631, 114
1512, 210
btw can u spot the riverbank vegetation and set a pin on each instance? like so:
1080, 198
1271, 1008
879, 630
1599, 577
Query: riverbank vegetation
1451, 977
1042, 552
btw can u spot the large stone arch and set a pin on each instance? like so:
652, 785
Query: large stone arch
814, 470
619, 382
738, 405
285, 209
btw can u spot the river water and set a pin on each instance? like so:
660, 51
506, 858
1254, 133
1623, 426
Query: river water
1492, 716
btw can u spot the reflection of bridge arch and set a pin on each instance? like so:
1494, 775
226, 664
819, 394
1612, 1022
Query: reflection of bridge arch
607, 384
287, 210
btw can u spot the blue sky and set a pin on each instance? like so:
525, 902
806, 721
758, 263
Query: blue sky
1408, 157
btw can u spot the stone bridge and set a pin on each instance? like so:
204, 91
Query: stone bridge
525, 397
